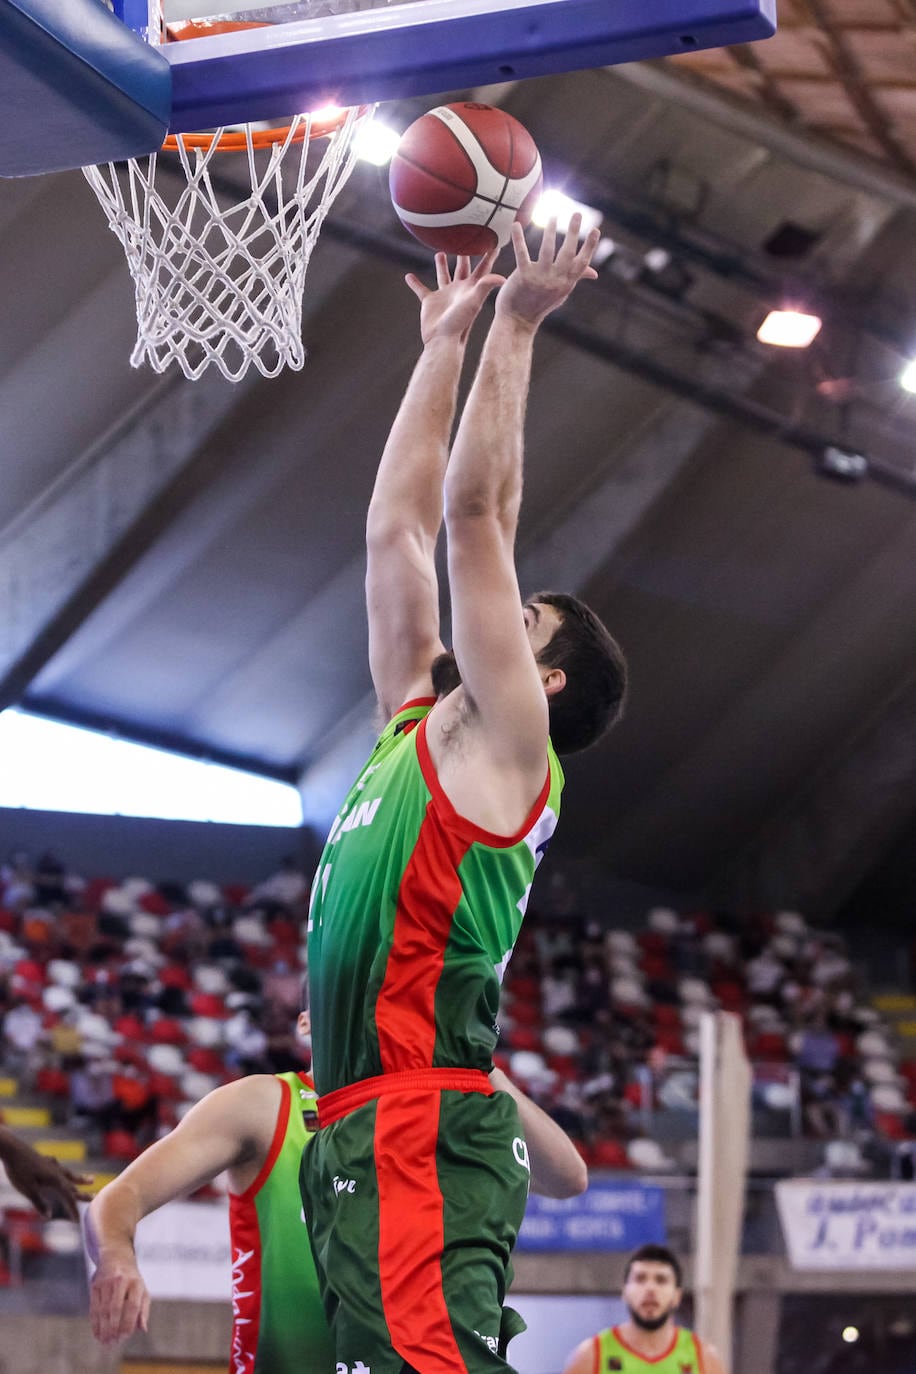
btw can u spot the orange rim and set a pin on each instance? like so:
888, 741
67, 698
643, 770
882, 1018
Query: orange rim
235, 141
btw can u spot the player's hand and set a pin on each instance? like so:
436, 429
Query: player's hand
118, 1300
540, 285
42, 1180
449, 310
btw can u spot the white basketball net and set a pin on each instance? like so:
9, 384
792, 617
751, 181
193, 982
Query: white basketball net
222, 283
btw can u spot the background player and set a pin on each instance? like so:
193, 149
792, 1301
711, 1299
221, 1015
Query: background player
256, 1129
649, 1341
415, 1186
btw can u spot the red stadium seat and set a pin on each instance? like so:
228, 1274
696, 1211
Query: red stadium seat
890, 1125
167, 1031
120, 1144
164, 1086
566, 1065
205, 1060
524, 989
175, 976
524, 1038
665, 1014
132, 1028
53, 1082
525, 1013
236, 893
155, 903
208, 1004
608, 1154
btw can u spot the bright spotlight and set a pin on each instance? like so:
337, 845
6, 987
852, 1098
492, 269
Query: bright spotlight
789, 329
376, 143
850, 1334
908, 376
555, 203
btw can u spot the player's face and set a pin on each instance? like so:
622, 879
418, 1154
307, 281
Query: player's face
541, 623
651, 1294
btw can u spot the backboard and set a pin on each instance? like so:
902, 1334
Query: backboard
80, 84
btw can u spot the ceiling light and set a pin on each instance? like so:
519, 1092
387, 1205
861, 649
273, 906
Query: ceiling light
850, 1334
657, 259
606, 248
554, 204
789, 329
908, 376
376, 143
842, 465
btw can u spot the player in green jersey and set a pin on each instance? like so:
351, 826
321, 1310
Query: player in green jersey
649, 1341
415, 1184
256, 1129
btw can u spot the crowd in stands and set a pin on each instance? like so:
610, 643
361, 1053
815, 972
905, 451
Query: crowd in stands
125, 1002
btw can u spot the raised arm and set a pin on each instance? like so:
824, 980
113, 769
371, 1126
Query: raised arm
482, 498
220, 1132
557, 1168
405, 513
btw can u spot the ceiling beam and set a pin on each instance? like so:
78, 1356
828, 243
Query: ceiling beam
743, 117
76, 542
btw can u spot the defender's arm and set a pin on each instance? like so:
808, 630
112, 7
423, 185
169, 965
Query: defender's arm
218, 1133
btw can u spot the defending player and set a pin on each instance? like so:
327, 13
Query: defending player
256, 1129
649, 1341
415, 1185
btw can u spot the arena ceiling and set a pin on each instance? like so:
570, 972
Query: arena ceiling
183, 561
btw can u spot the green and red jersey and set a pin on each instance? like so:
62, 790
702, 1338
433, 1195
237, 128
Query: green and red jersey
415, 912
614, 1356
278, 1320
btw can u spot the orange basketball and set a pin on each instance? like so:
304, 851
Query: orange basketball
461, 176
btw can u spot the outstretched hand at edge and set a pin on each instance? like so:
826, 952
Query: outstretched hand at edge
449, 309
540, 285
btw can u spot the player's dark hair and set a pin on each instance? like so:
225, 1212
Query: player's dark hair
596, 675
654, 1254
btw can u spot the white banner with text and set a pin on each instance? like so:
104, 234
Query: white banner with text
848, 1225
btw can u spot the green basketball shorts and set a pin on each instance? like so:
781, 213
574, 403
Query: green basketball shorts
414, 1189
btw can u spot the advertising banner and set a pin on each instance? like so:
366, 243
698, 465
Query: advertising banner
848, 1225
610, 1215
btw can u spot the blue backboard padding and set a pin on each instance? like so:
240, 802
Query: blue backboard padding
76, 87
414, 50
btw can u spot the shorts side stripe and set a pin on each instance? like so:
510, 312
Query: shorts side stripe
411, 1233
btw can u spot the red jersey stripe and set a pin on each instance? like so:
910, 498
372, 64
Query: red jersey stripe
276, 1145
405, 1010
471, 832
246, 1282
412, 1233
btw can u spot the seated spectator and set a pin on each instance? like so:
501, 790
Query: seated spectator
21, 1035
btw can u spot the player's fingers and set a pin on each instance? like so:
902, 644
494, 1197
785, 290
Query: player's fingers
570, 244
486, 262
420, 290
462, 268
67, 1198
442, 273
520, 245
112, 1302
143, 1319
548, 241
587, 251
130, 1310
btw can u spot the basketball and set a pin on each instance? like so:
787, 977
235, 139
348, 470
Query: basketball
461, 176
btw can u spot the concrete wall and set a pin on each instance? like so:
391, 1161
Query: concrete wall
123, 846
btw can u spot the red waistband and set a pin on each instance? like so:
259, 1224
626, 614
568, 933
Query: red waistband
342, 1101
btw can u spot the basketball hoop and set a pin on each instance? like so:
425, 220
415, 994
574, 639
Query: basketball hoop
219, 270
